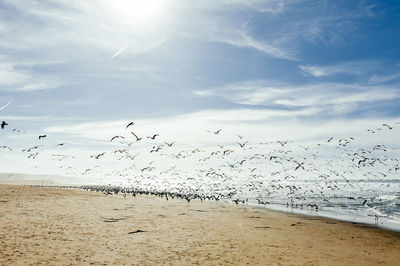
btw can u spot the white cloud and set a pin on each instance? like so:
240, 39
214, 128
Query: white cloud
10, 76
383, 78
68, 28
13, 78
242, 39
340, 98
314, 71
349, 68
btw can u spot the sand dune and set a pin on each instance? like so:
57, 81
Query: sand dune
65, 226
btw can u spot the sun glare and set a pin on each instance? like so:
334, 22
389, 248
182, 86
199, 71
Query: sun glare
134, 11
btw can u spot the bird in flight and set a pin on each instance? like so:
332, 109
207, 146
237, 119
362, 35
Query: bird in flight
42, 136
242, 144
386, 125
153, 137
169, 144
32, 148
156, 149
283, 143
137, 138
98, 155
3, 124
215, 132
299, 165
115, 137
130, 124
5, 147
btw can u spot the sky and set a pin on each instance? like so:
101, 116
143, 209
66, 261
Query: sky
78, 71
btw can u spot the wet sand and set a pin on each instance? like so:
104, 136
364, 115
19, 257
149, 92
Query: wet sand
66, 226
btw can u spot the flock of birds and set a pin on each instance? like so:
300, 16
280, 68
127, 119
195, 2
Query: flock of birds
328, 173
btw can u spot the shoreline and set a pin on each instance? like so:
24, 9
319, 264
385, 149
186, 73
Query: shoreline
389, 225
58, 226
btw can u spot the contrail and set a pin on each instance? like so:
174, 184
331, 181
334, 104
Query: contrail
117, 53
5, 106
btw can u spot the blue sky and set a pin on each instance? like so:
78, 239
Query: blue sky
56, 57
71, 66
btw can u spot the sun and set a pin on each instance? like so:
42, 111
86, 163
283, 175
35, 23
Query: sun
137, 11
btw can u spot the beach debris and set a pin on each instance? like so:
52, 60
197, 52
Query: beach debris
137, 231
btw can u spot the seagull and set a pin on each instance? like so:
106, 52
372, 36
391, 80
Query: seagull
115, 137
215, 132
32, 148
299, 165
153, 137
86, 171
130, 124
283, 143
156, 149
121, 151
3, 124
137, 138
169, 144
386, 125
33, 155
99, 155
242, 144
6, 147
42, 136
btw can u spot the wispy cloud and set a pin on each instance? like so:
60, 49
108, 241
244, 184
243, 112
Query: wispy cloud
10, 76
340, 98
240, 38
21, 77
384, 78
350, 68
117, 53
5, 106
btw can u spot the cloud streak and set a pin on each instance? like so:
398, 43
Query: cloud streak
339, 98
5, 106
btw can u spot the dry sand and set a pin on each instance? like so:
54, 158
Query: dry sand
64, 226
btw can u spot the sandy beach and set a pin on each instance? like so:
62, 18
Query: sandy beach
68, 227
